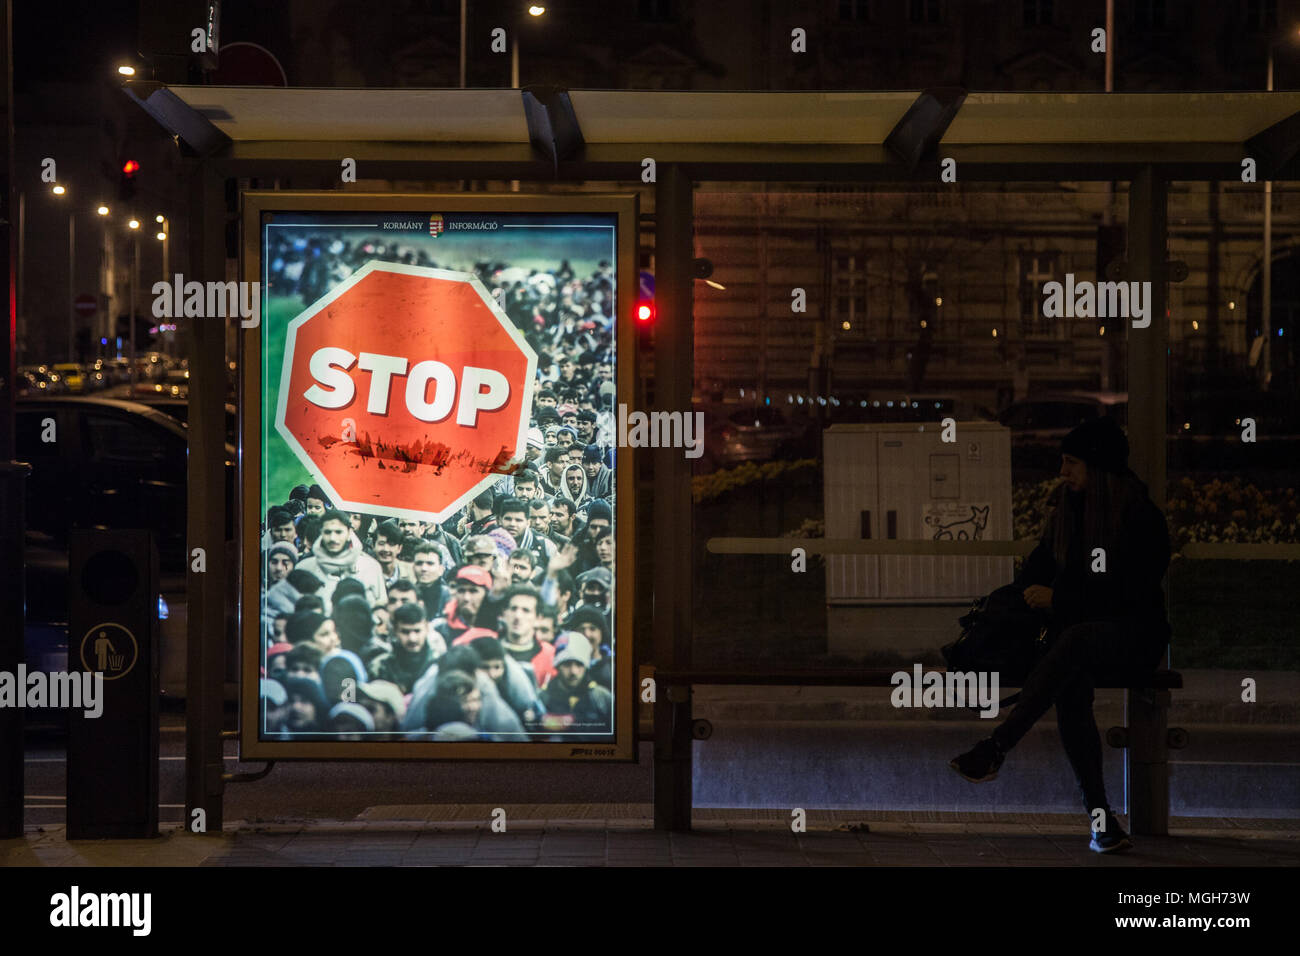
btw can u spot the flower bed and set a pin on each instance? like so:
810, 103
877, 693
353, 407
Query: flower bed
707, 487
1218, 511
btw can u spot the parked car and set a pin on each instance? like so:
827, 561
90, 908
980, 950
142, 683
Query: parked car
57, 386
98, 376
150, 367
176, 381
177, 406
173, 385
1039, 422
34, 380
112, 464
733, 435
1047, 418
119, 370
179, 409
73, 375
26, 383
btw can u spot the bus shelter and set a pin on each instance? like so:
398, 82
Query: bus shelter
298, 138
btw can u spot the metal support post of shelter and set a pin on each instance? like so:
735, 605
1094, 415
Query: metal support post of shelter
1146, 768
206, 653
673, 555
13, 475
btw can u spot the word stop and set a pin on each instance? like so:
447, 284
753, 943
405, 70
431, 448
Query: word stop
334, 387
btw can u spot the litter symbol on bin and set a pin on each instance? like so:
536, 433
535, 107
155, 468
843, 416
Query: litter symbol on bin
110, 649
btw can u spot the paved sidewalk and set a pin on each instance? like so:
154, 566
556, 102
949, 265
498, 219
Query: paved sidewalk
622, 835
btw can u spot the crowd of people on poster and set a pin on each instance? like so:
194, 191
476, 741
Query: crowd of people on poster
496, 624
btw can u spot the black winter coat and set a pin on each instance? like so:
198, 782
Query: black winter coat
591, 706
1129, 590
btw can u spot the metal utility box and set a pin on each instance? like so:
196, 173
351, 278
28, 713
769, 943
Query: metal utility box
902, 481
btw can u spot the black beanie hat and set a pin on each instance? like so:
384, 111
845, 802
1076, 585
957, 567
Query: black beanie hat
347, 587
488, 649
1100, 442
588, 615
303, 626
353, 620
303, 581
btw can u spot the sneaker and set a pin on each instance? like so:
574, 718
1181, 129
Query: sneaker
980, 763
1113, 840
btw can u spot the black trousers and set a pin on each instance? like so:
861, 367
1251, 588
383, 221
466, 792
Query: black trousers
1083, 656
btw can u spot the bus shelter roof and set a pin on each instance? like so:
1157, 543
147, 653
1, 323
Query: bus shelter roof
542, 132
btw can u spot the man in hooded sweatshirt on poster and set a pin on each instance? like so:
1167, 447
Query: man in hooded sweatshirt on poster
573, 486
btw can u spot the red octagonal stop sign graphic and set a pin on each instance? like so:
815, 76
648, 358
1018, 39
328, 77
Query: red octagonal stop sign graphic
434, 378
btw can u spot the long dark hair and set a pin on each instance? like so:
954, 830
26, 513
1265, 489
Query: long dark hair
1106, 501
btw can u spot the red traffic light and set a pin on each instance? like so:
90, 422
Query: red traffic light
130, 167
645, 311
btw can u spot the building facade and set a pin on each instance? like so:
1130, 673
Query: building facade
906, 289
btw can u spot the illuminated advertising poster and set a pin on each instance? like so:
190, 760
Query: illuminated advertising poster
436, 518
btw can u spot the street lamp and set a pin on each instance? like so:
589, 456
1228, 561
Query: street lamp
167, 340
134, 226
535, 10
126, 70
164, 236
107, 327
60, 190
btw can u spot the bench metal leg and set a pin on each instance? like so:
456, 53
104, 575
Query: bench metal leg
674, 742
1146, 761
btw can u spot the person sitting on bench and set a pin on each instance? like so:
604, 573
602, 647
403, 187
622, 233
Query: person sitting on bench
1098, 569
